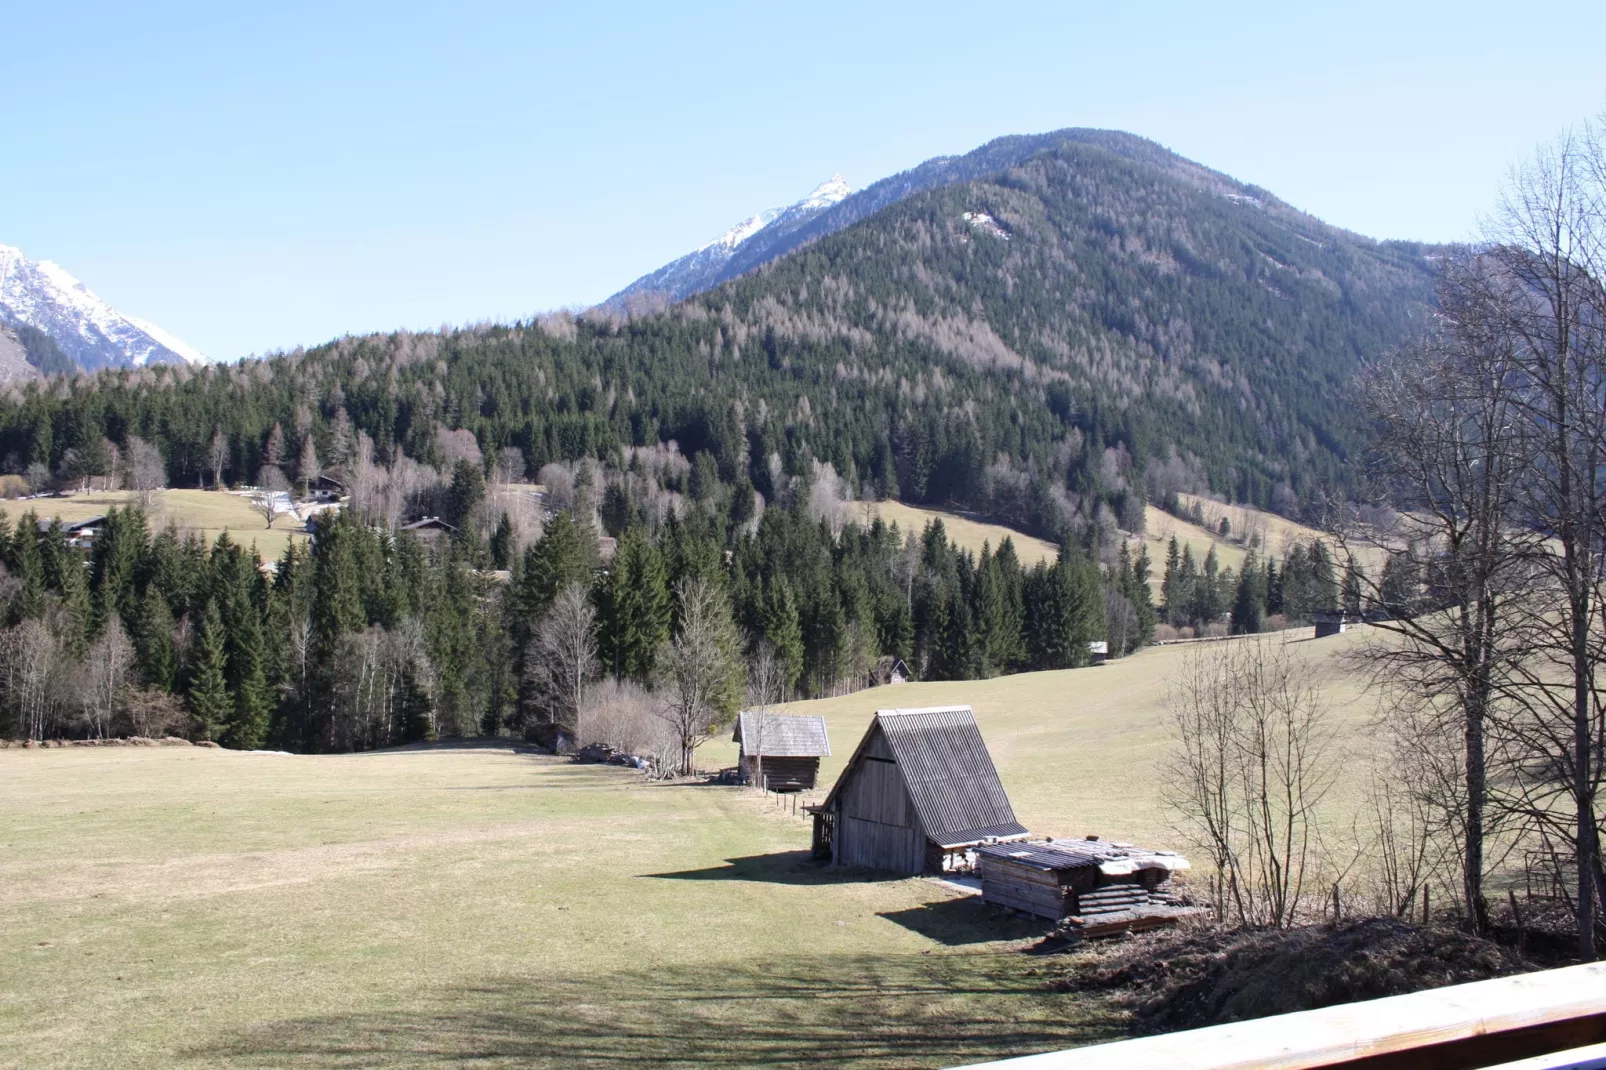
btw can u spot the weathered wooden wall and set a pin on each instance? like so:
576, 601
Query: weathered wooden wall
878, 827
782, 774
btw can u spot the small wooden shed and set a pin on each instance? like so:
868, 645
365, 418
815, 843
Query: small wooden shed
1332, 623
783, 751
1105, 887
920, 794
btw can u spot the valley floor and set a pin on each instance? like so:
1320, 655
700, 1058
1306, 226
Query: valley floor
180, 906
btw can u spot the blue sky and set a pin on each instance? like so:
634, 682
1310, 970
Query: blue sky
253, 177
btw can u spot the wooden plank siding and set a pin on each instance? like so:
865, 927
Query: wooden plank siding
781, 773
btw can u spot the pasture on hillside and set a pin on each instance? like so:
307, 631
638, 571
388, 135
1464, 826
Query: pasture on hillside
208, 513
966, 532
172, 907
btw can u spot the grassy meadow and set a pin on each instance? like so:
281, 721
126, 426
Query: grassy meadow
208, 513
965, 532
174, 907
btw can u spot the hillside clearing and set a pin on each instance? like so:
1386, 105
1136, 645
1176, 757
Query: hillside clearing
965, 532
208, 513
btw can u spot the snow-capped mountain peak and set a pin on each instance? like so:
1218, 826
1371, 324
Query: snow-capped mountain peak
832, 191
702, 268
43, 294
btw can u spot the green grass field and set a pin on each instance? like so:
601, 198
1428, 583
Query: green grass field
209, 513
458, 905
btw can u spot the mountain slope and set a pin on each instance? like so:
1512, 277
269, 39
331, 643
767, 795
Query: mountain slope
1049, 344
14, 363
41, 294
705, 267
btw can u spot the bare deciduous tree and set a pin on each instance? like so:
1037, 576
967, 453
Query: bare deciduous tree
700, 668
1249, 769
269, 499
32, 666
217, 454
1451, 455
105, 674
562, 661
766, 684
147, 472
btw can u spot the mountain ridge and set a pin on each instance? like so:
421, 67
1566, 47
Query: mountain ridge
44, 295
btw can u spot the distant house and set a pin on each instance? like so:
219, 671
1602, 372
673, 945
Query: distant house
1332, 623
919, 794
430, 528
784, 752
890, 670
79, 533
1098, 652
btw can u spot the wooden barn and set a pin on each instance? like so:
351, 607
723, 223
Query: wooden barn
782, 752
1102, 886
920, 794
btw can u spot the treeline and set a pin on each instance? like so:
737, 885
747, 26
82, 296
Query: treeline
1306, 582
368, 637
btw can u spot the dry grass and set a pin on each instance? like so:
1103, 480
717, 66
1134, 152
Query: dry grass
183, 907
177, 907
208, 513
965, 532
1079, 749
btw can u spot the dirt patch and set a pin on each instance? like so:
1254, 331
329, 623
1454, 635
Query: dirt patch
1200, 976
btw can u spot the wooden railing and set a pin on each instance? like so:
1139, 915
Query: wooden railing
1459, 1027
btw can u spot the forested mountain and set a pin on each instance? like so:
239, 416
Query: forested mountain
1097, 324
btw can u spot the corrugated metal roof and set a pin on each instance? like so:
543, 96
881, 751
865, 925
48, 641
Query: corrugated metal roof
951, 777
779, 736
1060, 855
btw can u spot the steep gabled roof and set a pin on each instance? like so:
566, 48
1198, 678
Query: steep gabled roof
949, 774
775, 735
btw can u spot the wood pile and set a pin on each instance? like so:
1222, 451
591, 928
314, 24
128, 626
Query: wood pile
1093, 886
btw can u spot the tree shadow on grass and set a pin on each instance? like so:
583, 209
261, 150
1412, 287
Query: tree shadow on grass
966, 920
857, 1011
781, 867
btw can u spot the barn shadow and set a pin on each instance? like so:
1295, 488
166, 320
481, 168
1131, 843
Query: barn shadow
966, 920
855, 1011
780, 867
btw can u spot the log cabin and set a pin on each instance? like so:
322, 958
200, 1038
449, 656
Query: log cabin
781, 753
919, 795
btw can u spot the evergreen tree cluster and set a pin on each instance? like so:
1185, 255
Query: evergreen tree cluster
367, 637
1195, 595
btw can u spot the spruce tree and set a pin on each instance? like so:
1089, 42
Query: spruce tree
1248, 604
153, 641
783, 630
209, 693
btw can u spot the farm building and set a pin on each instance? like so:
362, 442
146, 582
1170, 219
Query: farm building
1106, 887
429, 528
783, 753
920, 793
1332, 624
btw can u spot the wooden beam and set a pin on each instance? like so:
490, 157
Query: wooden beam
1471, 1025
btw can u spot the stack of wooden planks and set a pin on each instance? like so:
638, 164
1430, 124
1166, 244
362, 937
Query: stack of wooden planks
1096, 887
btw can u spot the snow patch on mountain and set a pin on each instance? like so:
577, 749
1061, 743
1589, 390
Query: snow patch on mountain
43, 294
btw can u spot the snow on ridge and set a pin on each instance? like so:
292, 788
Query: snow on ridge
45, 295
